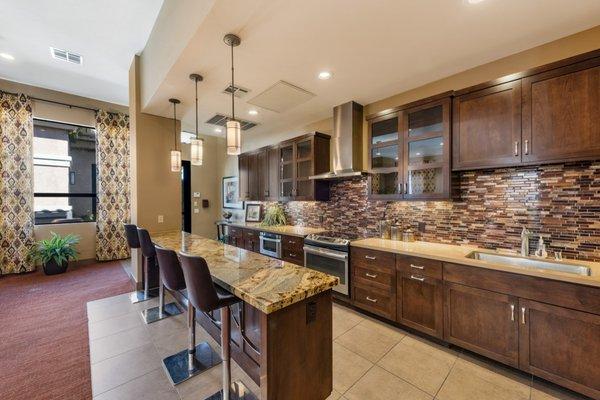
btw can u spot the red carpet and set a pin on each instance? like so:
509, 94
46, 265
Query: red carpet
44, 350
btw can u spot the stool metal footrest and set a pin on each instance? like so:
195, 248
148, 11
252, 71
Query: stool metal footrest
153, 314
177, 365
140, 295
238, 391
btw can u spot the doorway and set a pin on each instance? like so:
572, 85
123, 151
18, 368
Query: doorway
186, 197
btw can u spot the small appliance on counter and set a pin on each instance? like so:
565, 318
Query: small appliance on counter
270, 244
384, 229
408, 235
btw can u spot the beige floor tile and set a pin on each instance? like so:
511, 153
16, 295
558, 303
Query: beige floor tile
176, 342
121, 342
109, 310
168, 326
344, 319
370, 340
472, 380
152, 386
378, 384
348, 367
383, 328
542, 390
210, 382
122, 298
335, 395
422, 363
118, 324
115, 371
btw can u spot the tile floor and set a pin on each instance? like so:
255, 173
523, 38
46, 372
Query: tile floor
371, 361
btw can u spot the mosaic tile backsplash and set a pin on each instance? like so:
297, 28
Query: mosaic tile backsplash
490, 208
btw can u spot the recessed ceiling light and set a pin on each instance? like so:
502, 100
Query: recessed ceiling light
218, 130
253, 112
474, 1
324, 75
7, 56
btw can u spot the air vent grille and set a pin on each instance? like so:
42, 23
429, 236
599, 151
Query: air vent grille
67, 56
221, 120
238, 91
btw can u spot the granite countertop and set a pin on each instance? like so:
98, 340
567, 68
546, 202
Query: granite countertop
266, 283
457, 254
300, 231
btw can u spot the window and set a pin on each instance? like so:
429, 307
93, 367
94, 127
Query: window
64, 173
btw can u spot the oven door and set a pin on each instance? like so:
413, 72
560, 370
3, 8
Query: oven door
331, 262
270, 246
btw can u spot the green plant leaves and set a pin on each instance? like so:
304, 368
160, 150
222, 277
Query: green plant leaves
58, 248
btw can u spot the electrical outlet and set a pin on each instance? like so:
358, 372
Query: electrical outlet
161, 219
196, 210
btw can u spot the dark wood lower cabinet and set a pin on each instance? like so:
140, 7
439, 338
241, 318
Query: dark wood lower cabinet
560, 345
421, 303
482, 321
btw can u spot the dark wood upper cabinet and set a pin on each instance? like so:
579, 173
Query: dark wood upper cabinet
243, 177
409, 155
482, 321
487, 127
272, 176
259, 174
555, 345
561, 114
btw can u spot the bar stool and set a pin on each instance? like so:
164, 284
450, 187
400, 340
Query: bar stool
163, 310
196, 358
134, 243
207, 297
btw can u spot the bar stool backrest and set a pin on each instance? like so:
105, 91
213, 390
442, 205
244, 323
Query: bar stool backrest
200, 287
146, 244
131, 233
170, 269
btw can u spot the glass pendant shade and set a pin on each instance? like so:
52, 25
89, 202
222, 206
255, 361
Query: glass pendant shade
234, 138
196, 151
175, 161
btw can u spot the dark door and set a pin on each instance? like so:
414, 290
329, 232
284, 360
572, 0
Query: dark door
487, 127
186, 196
420, 303
561, 114
482, 321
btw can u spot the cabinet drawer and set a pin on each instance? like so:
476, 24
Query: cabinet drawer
293, 256
419, 266
374, 277
376, 301
234, 231
292, 243
372, 258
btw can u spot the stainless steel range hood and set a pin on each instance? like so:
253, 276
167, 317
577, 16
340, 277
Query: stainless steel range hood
346, 143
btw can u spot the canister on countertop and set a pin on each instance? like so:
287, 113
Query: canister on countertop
408, 236
384, 229
396, 232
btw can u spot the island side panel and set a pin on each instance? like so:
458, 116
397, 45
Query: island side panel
297, 351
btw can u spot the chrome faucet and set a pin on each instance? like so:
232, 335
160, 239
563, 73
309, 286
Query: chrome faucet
525, 235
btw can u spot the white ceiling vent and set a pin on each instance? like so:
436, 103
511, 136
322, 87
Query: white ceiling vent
67, 56
281, 97
238, 91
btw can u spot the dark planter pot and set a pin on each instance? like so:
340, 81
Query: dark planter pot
52, 268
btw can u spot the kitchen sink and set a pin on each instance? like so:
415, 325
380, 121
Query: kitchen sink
529, 263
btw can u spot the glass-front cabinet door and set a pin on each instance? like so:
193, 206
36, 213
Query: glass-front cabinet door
384, 158
426, 151
286, 172
304, 169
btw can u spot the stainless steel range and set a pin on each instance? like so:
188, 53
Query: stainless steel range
329, 253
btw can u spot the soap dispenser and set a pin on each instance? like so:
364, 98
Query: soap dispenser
541, 249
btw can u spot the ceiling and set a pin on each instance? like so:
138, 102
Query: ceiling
374, 49
106, 33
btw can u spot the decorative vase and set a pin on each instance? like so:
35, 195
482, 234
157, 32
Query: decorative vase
52, 268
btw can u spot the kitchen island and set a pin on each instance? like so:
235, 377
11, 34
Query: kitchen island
281, 333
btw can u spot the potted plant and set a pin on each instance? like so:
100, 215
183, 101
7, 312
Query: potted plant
55, 253
274, 216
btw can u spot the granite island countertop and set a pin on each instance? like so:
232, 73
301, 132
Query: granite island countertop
291, 230
265, 283
457, 254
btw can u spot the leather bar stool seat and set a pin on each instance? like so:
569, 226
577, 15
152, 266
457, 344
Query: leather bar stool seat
163, 310
133, 241
195, 359
204, 295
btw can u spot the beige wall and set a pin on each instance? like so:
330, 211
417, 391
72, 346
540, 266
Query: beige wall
55, 112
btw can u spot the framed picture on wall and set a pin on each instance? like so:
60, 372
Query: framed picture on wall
231, 193
253, 212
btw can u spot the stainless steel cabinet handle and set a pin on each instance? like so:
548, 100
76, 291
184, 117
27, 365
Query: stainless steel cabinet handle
371, 275
523, 315
371, 300
416, 278
516, 148
512, 312
400, 187
291, 242
526, 147
292, 255
416, 266
370, 257
406, 188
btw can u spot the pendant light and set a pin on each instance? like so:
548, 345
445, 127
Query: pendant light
175, 154
197, 145
234, 131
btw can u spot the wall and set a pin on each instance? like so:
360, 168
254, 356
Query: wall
60, 113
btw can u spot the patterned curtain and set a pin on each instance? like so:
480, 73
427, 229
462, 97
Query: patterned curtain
16, 183
112, 148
